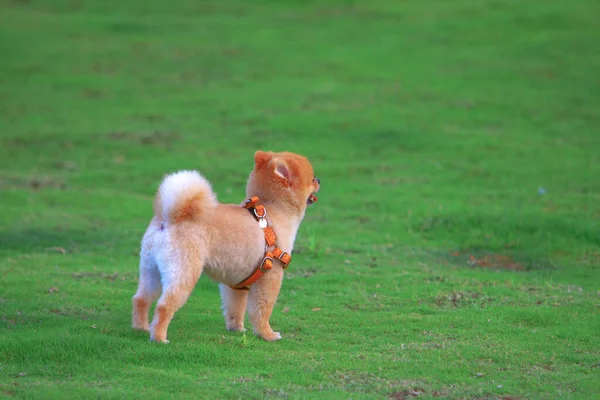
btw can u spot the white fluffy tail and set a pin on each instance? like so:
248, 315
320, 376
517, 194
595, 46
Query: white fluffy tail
184, 195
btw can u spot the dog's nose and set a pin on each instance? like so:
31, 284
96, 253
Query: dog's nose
318, 180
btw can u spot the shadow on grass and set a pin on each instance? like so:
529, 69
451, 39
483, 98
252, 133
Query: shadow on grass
31, 240
512, 260
513, 242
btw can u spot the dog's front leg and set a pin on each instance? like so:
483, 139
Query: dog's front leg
262, 297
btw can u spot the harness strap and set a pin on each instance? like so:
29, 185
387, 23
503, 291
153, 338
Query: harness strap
259, 212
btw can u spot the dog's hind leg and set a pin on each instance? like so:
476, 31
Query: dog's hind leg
234, 307
148, 291
177, 287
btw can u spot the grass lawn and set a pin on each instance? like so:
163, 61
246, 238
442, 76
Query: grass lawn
454, 250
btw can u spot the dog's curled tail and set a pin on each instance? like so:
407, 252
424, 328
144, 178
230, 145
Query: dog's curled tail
184, 195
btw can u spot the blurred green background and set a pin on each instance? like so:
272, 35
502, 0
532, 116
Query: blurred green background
454, 250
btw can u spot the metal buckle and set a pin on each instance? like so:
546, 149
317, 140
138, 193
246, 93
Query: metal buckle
281, 258
260, 216
263, 263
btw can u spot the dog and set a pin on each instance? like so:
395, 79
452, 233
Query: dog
192, 233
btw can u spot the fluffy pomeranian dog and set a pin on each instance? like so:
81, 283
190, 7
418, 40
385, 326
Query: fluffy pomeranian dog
192, 233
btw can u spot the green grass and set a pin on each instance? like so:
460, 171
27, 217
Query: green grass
455, 247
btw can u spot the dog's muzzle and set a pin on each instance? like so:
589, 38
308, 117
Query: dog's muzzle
312, 198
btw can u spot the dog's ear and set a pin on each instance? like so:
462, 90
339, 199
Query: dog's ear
281, 169
261, 158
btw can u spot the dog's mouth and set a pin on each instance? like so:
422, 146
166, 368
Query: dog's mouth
316, 186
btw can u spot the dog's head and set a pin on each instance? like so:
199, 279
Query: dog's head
283, 176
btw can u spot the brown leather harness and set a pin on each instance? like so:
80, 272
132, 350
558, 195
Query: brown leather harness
271, 250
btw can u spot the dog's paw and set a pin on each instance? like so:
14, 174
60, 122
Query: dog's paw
235, 327
271, 336
137, 327
158, 339
165, 341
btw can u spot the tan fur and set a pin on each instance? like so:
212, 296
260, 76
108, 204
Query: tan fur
191, 233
